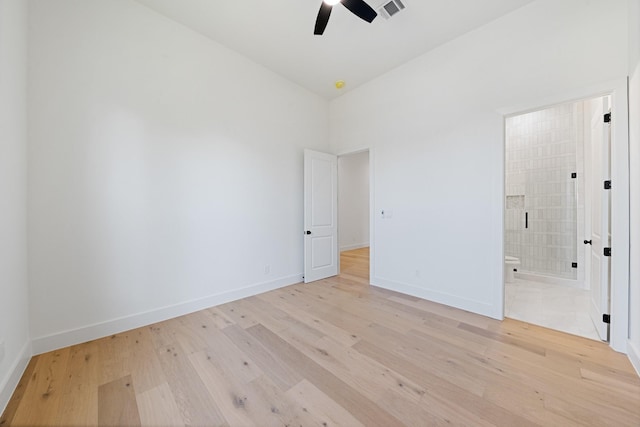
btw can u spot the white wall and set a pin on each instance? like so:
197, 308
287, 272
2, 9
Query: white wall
353, 201
634, 136
437, 130
165, 170
14, 309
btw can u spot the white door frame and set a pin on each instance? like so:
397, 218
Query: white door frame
619, 195
372, 215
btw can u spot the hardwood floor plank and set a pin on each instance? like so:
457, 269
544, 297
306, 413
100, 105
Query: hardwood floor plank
114, 352
324, 410
195, 333
40, 402
268, 314
142, 361
585, 416
219, 319
232, 359
553, 383
453, 403
197, 407
359, 406
450, 338
343, 336
528, 402
131, 353
395, 393
572, 345
358, 370
79, 399
117, 404
525, 345
610, 384
279, 406
277, 369
447, 312
9, 413
228, 393
239, 313
198, 333
420, 352
278, 320
157, 407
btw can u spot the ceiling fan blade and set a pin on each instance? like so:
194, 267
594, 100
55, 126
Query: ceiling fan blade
360, 9
323, 18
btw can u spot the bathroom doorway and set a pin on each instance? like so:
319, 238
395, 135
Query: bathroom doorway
554, 163
354, 213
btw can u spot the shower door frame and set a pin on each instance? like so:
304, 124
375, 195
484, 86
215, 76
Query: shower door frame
532, 225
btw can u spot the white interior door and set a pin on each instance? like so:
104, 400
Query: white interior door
320, 215
600, 216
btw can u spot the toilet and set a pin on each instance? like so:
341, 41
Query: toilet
510, 263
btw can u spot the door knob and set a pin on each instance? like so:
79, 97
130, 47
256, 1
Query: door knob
307, 232
588, 242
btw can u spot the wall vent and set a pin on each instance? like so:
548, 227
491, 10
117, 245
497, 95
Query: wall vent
390, 8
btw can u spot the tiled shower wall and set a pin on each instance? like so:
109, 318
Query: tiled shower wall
542, 149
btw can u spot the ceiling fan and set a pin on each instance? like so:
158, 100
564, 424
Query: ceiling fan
357, 7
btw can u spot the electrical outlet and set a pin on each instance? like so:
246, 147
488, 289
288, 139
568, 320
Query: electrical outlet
1, 351
267, 269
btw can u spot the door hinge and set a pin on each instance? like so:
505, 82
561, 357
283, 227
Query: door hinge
607, 185
606, 318
607, 251
607, 118
574, 175
574, 265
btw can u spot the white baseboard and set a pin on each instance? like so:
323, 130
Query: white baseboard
10, 382
98, 330
352, 247
633, 352
439, 297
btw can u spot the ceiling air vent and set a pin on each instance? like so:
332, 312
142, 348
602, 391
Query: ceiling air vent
390, 8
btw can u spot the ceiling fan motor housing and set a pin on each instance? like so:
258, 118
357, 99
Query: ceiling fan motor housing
358, 7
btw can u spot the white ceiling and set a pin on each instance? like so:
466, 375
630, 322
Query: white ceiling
279, 34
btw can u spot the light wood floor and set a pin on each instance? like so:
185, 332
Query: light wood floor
335, 352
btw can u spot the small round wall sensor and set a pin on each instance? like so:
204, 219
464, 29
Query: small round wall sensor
340, 84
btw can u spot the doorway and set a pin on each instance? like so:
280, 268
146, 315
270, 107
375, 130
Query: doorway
555, 162
354, 213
